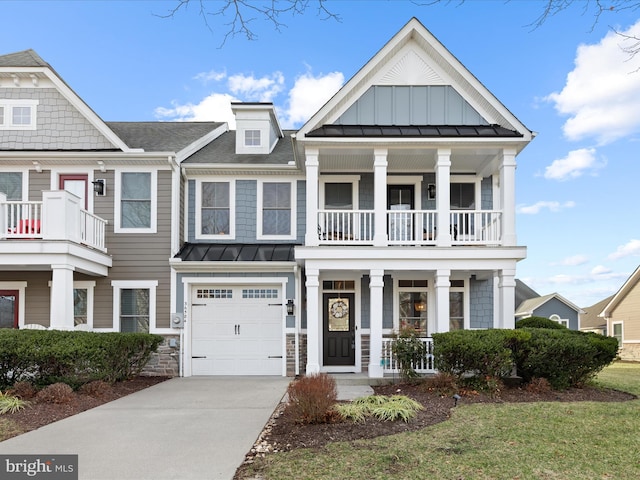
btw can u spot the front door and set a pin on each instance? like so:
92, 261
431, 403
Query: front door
76, 184
400, 204
339, 329
9, 308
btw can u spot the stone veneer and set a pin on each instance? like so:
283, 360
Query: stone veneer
166, 360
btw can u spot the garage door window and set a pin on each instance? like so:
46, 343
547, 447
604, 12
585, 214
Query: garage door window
214, 293
260, 293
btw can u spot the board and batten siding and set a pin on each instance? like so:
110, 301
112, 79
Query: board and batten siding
136, 256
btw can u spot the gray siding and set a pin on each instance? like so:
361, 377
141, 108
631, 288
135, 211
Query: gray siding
246, 222
37, 183
486, 194
481, 303
59, 125
555, 306
387, 302
411, 105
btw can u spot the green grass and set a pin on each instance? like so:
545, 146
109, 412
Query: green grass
582, 440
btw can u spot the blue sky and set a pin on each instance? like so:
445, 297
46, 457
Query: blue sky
568, 80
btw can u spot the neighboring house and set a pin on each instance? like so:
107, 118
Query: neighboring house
622, 315
286, 252
553, 306
591, 321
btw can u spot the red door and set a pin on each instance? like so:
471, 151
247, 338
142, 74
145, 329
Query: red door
9, 308
76, 184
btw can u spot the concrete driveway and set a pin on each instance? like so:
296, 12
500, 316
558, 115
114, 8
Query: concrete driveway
196, 428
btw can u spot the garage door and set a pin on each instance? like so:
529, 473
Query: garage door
236, 330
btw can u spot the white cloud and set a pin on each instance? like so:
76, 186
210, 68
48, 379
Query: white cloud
542, 205
602, 93
309, 94
263, 89
574, 261
211, 76
600, 270
213, 108
573, 165
630, 248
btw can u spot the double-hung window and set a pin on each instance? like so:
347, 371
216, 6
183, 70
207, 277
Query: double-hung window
134, 305
216, 213
11, 185
278, 212
136, 202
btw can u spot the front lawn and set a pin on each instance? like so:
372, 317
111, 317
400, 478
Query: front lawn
551, 440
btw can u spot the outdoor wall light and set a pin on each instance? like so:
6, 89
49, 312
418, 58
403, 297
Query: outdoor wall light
100, 187
431, 191
290, 306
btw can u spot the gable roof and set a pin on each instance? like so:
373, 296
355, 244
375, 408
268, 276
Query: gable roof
524, 292
591, 316
414, 56
162, 136
25, 58
620, 294
529, 306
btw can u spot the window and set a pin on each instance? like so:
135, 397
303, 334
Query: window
11, 185
413, 311
136, 202
456, 305
80, 307
216, 212
617, 333
277, 209
562, 321
463, 196
18, 114
252, 138
134, 305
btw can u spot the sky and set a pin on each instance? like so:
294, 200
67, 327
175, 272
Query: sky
568, 79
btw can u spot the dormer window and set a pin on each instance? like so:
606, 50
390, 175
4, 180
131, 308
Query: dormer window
252, 138
18, 114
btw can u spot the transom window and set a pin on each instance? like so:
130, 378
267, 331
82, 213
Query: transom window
252, 138
347, 285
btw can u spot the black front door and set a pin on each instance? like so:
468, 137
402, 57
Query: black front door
339, 329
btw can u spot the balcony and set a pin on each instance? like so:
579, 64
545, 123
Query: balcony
409, 227
58, 217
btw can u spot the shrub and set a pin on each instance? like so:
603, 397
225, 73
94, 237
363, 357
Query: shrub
539, 322
483, 353
97, 388
408, 350
24, 390
11, 404
396, 407
44, 357
538, 385
58, 393
566, 358
311, 398
442, 383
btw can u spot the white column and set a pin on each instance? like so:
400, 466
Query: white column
61, 316
376, 285
311, 164
380, 197
313, 323
508, 197
443, 198
507, 289
443, 283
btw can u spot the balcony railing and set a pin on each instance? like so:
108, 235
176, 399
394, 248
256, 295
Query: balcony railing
28, 220
409, 227
390, 365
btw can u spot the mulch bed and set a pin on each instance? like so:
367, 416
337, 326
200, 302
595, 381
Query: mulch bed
283, 433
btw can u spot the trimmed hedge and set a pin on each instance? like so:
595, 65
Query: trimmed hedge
44, 357
486, 353
539, 322
564, 357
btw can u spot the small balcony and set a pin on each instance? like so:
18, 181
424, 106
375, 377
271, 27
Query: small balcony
58, 216
409, 227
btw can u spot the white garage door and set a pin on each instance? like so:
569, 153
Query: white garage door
236, 330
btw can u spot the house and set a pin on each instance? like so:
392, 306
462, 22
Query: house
622, 316
88, 209
280, 252
552, 306
591, 321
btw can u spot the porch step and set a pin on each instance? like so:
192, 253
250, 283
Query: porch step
360, 379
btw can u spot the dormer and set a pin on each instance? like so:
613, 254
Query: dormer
257, 127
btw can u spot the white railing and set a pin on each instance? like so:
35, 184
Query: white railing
411, 227
26, 220
345, 227
92, 230
476, 226
390, 365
